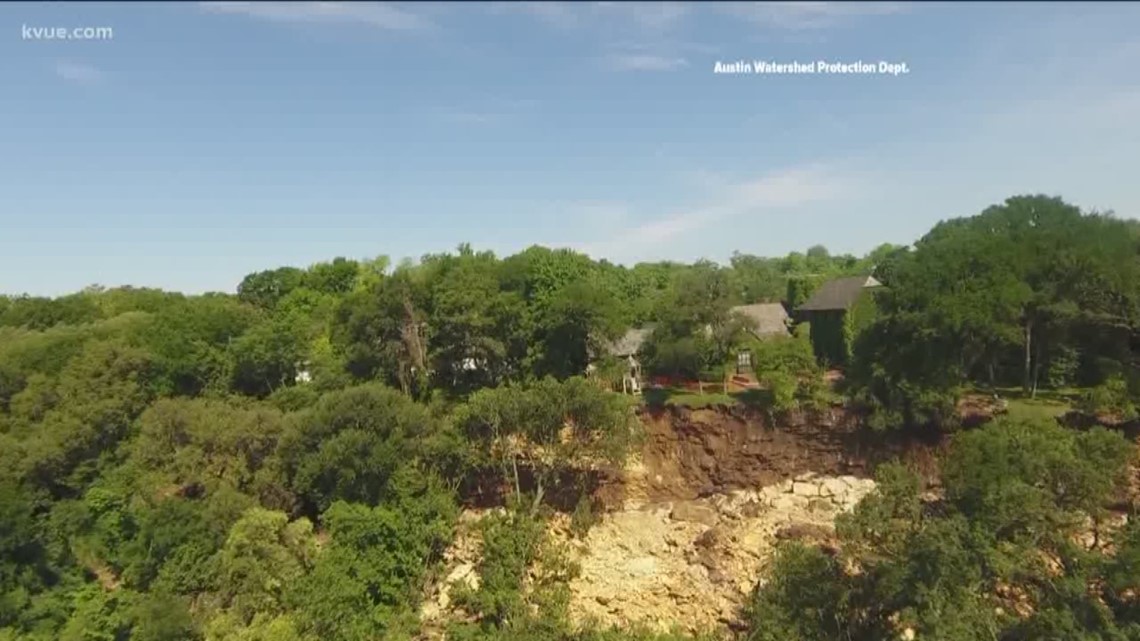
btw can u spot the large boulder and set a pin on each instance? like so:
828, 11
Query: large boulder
833, 487
805, 488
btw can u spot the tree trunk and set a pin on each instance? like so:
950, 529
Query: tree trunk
1028, 372
1036, 368
515, 471
404, 385
538, 494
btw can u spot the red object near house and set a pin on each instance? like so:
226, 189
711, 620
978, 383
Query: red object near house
745, 382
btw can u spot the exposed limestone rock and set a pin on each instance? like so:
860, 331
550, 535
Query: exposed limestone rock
689, 563
804, 532
662, 566
821, 505
693, 512
833, 487
805, 488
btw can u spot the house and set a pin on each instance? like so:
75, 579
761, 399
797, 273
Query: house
625, 350
828, 311
767, 320
303, 375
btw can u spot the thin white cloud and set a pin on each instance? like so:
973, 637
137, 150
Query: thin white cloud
810, 15
639, 36
78, 72
781, 190
651, 16
380, 15
558, 14
644, 62
654, 16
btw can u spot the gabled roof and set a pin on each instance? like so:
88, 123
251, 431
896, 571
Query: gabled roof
838, 294
771, 319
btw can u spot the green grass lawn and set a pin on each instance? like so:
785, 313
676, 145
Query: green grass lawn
1034, 409
660, 397
1047, 404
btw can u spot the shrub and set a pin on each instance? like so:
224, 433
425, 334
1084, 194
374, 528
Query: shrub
1112, 398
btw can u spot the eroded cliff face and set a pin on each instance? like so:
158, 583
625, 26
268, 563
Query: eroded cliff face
693, 563
689, 563
693, 518
692, 453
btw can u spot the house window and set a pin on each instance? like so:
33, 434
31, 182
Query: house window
744, 358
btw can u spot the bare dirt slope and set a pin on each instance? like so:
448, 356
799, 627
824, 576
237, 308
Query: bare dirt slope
693, 563
693, 453
694, 516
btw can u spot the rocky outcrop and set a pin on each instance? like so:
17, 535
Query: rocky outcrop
688, 454
693, 563
688, 563
692, 518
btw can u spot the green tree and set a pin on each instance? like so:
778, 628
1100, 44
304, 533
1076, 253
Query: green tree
263, 289
210, 444
267, 357
549, 427
384, 332
264, 555
348, 446
477, 331
364, 584
339, 276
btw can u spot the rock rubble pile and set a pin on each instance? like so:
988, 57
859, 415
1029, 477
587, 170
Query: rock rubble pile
686, 563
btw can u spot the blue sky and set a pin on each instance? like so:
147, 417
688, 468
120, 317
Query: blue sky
206, 141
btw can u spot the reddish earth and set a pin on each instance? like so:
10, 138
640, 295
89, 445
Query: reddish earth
691, 453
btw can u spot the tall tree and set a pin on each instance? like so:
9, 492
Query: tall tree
384, 332
477, 337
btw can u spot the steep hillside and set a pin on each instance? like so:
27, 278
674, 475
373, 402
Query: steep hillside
695, 514
693, 453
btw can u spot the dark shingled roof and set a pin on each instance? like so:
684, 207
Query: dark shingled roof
771, 318
838, 294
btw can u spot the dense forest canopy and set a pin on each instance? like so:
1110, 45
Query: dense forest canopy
287, 463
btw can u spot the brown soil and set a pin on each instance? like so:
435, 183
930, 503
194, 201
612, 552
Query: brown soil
691, 520
694, 453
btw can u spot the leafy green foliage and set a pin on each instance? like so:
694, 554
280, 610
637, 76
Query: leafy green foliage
1112, 398
348, 446
787, 368
1009, 295
1017, 496
522, 588
285, 464
364, 583
548, 427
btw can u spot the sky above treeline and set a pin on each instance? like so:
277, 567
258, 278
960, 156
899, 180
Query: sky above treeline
205, 141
